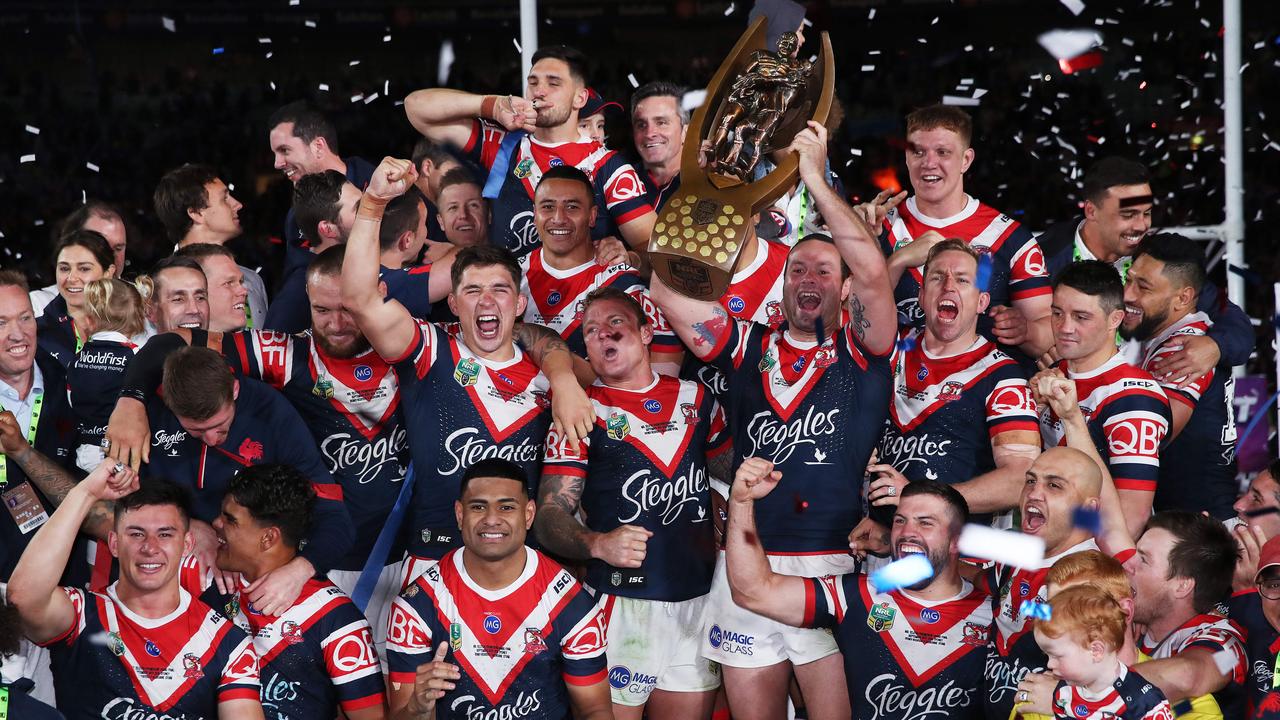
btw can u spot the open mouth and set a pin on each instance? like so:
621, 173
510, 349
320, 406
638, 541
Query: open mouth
1132, 239
190, 325
74, 290
292, 174
1132, 314
931, 179
492, 536
149, 568
948, 310
464, 228
487, 326
559, 232
1032, 519
906, 548
808, 300
19, 350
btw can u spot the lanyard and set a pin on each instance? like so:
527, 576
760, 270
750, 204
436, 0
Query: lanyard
1124, 265
4, 703
36, 404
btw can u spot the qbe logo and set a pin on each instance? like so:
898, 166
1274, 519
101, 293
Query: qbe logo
363, 372
492, 624
619, 677
737, 304
731, 642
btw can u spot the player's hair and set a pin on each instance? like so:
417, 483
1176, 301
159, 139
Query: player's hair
317, 198
308, 123
950, 245
484, 256
957, 507
460, 175
1273, 468
579, 66
612, 293
278, 496
201, 251
401, 215
1086, 613
822, 238
179, 191
425, 149
946, 117
197, 383
114, 305
1091, 567
1182, 258
328, 263
1112, 171
660, 88
10, 629
156, 491
494, 468
1097, 279
568, 172
90, 240
149, 285
1203, 550
76, 219
14, 278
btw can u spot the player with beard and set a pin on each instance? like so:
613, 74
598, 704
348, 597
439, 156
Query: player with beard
467, 393
641, 478
1198, 466
1126, 409
909, 653
962, 410
810, 396
519, 139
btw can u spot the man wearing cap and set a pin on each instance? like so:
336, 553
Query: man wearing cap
1257, 611
593, 116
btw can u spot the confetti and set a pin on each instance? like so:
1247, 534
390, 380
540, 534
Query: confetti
871, 15
357, 98
91, 166
1064, 44
219, 51
516, 42
1087, 519
264, 41
692, 100
445, 64
902, 573
370, 98
33, 129
1075, 6
855, 151
1035, 610
983, 278
353, 63
632, 79
868, 68
959, 100
168, 24
310, 23
1009, 548
293, 3
27, 159
729, 10
386, 38
324, 87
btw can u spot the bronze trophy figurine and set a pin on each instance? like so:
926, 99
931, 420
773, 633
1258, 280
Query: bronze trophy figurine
760, 100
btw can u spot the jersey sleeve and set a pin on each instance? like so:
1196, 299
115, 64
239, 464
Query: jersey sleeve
240, 679
1189, 395
622, 189
1010, 405
1226, 641
825, 601
411, 287
562, 458
408, 636
78, 599
1134, 431
583, 645
719, 439
731, 349
1028, 275
1149, 702
351, 661
265, 355
482, 146
417, 359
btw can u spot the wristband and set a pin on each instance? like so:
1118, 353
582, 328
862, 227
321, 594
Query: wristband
371, 207
488, 106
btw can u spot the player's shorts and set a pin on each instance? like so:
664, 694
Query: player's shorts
655, 645
379, 610
740, 638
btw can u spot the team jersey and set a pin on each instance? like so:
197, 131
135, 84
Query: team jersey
111, 663
1218, 635
461, 408
93, 383
515, 647
815, 411
1198, 467
904, 659
1127, 413
556, 298
656, 194
351, 406
265, 429
316, 657
290, 310
1262, 644
1013, 652
1130, 697
645, 464
56, 332
1017, 263
619, 192
946, 410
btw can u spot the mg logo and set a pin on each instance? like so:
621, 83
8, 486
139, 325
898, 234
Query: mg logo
492, 624
363, 372
619, 677
930, 615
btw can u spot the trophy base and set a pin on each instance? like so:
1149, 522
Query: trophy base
696, 243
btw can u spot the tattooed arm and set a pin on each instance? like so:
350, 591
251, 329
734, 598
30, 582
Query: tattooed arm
701, 325
560, 531
51, 478
571, 409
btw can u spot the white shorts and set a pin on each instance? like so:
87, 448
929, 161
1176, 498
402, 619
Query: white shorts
379, 610
740, 638
654, 645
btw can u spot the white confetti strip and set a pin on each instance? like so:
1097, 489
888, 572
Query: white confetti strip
168, 24
445, 63
357, 98
33, 129
264, 41
91, 166
692, 100
902, 573
370, 98
632, 79
324, 87
1009, 548
729, 10
871, 15
868, 68
353, 63
386, 38
27, 158
855, 152
310, 23
1075, 6
959, 101
516, 42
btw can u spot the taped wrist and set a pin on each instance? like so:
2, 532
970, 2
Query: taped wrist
371, 208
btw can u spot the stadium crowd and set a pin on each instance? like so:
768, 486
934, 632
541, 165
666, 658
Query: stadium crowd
473, 459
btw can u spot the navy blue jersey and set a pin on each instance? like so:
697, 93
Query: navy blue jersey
461, 408
114, 664
1128, 417
619, 192
816, 412
266, 429
297, 248
656, 194
1017, 263
1013, 652
351, 406
904, 658
56, 332
516, 647
411, 287
93, 382
1224, 639
946, 411
1130, 697
645, 464
1262, 642
315, 658
1198, 467
290, 309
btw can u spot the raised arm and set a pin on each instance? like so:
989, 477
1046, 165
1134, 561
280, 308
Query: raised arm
446, 116
55, 481
872, 310
754, 584
701, 325
999, 489
387, 325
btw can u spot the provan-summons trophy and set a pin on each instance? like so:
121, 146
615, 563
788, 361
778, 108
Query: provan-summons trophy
757, 102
